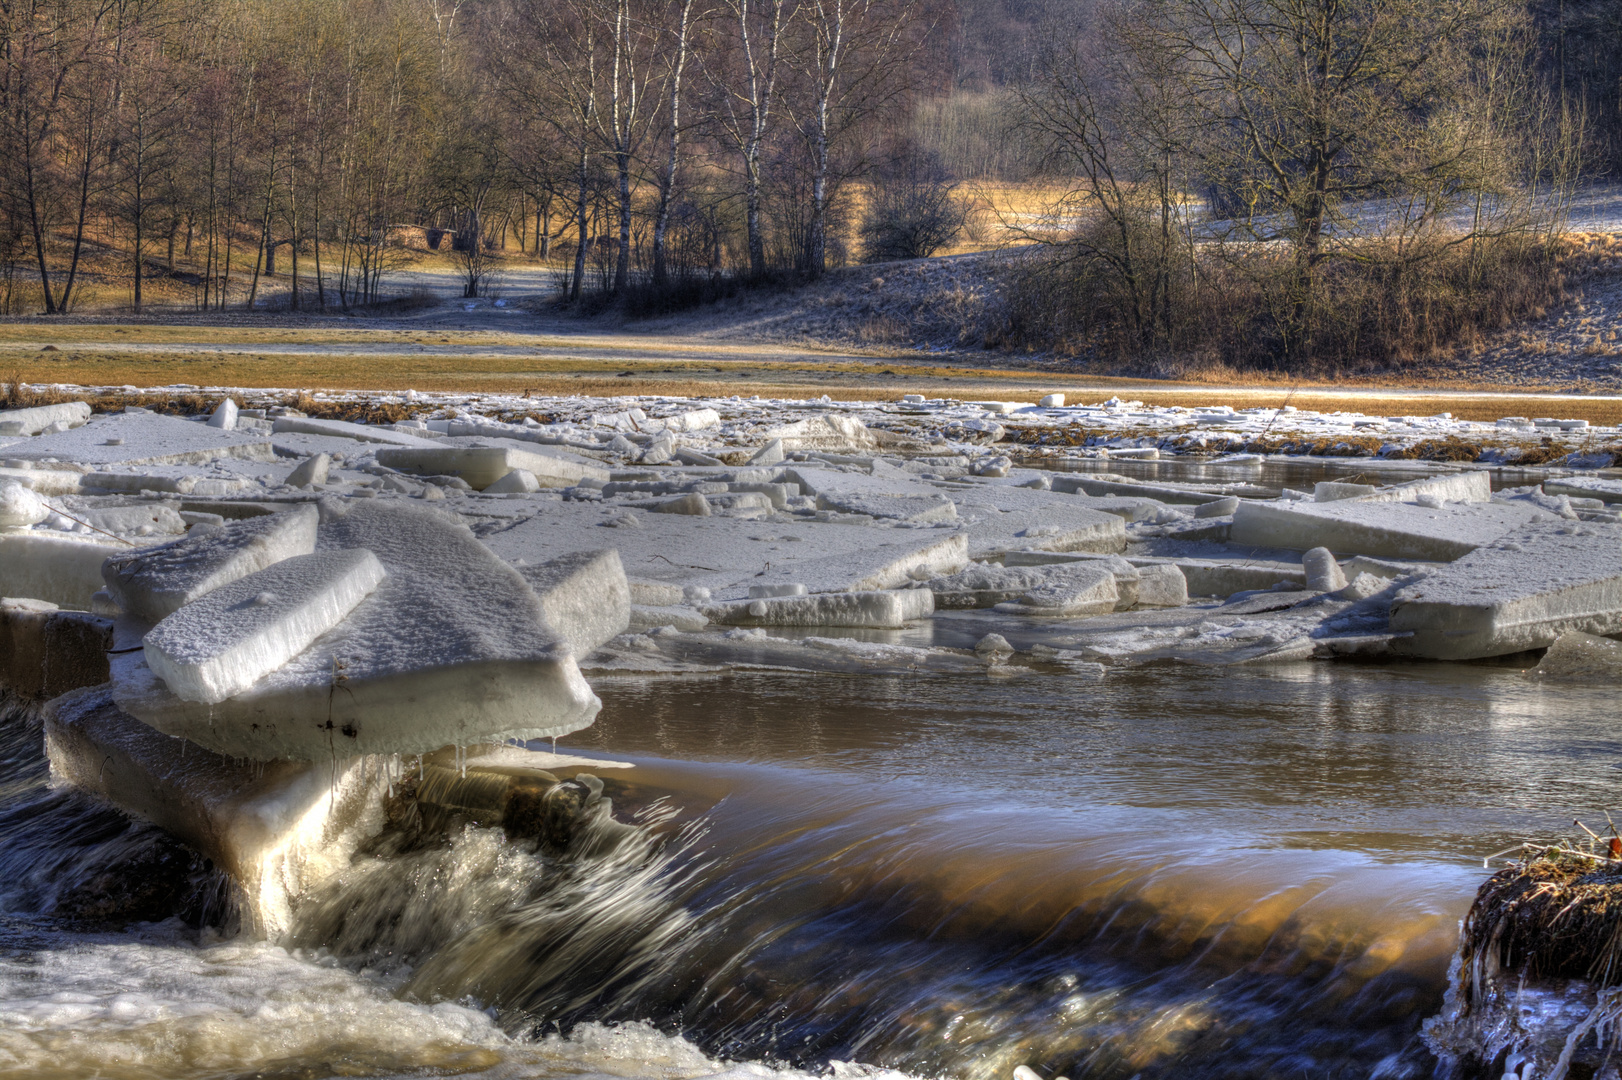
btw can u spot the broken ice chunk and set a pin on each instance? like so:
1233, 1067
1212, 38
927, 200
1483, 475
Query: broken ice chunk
1521, 592
453, 647
224, 416
35, 420
19, 506
585, 597
883, 609
482, 466
1579, 657
312, 470
517, 482
154, 583
1323, 572
216, 647
1086, 589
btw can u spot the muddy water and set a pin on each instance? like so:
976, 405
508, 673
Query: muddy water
1163, 871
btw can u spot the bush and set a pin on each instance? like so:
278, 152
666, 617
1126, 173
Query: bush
911, 217
1249, 310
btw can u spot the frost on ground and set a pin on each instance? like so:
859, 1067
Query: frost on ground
338, 597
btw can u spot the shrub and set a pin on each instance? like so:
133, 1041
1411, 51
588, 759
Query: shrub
911, 217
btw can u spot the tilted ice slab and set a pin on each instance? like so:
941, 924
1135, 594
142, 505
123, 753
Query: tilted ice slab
1394, 530
278, 828
1474, 485
584, 596
371, 433
887, 609
1521, 592
141, 438
482, 466
453, 647
37, 419
217, 647
152, 584
1088, 590
922, 509
1586, 487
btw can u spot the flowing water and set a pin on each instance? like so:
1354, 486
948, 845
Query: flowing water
1162, 871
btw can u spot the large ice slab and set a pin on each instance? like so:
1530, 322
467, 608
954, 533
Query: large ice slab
45, 651
278, 828
35, 420
343, 429
999, 519
63, 568
1394, 530
153, 583
453, 647
141, 438
888, 609
1520, 592
727, 555
220, 645
482, 466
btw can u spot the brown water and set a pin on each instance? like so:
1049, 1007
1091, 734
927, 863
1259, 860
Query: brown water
1164, 871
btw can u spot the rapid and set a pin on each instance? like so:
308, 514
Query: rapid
1167, 870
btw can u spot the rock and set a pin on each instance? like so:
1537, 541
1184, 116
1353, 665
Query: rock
154, 583
221, 644
1323, 573
311, 471
225, 416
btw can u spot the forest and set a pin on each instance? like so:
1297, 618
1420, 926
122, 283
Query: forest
1200, 164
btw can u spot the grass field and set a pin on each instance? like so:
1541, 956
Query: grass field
653, 366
